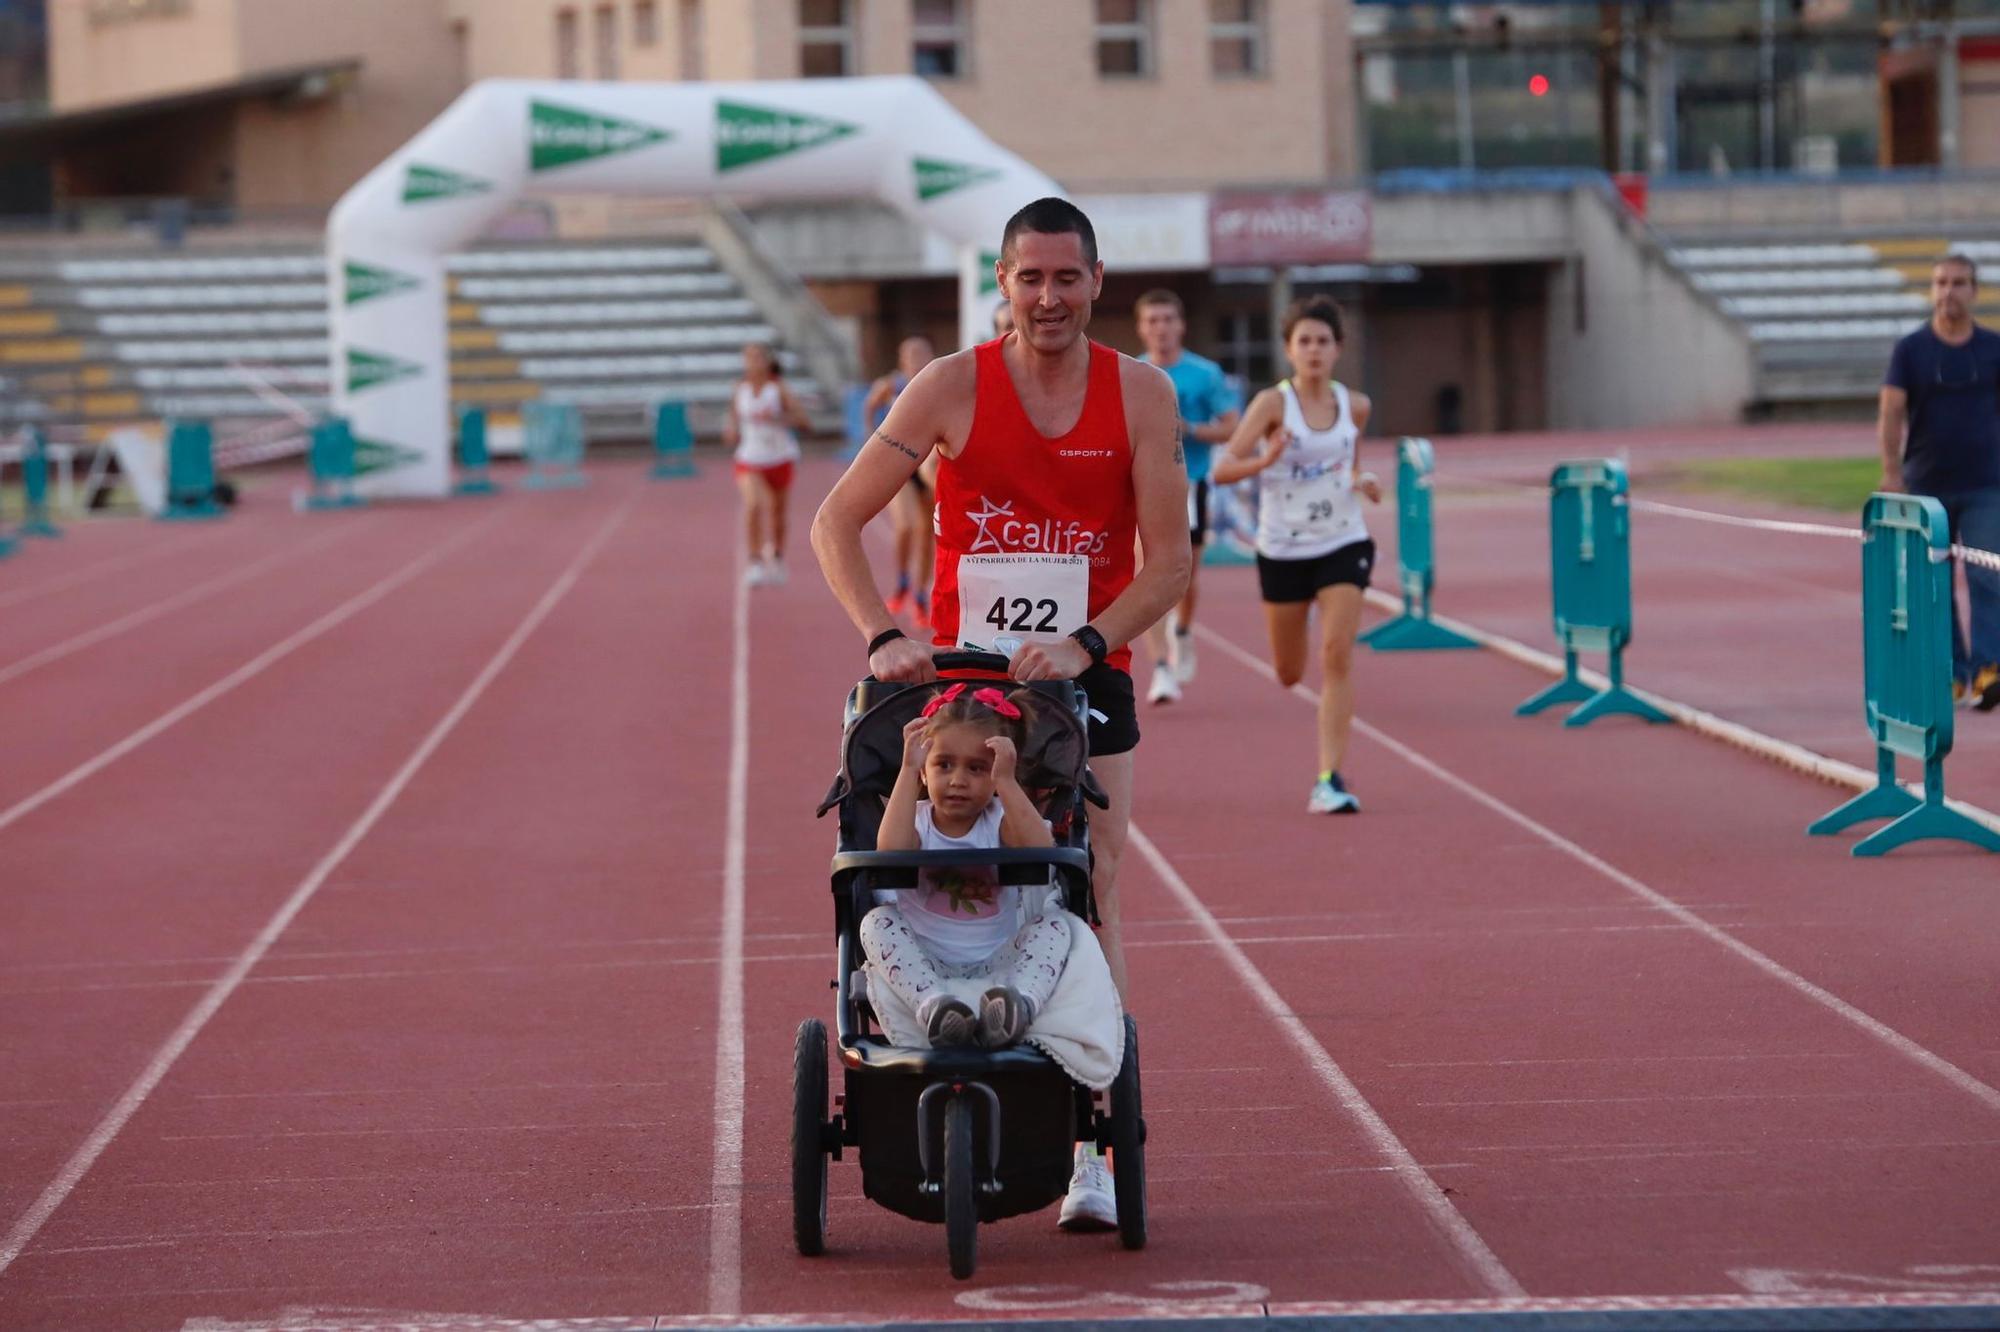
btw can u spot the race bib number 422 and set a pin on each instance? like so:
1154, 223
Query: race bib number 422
1007, 600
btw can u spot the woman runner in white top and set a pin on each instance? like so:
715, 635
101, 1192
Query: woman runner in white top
1300, 440
762, 417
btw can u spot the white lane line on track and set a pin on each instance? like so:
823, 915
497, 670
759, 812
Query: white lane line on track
1982, 1092
256, 666
187, 597
725, 1218
114, 1121
1482, 1264
102, 567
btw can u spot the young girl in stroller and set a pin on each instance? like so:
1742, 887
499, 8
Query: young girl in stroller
962, 923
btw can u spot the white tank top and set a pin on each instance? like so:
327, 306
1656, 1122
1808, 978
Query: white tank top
762, 437
1306, 506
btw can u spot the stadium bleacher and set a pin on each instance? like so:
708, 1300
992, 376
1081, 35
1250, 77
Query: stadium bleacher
88, 345
1824, 314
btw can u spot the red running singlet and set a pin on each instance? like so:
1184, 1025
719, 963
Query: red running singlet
1034, 535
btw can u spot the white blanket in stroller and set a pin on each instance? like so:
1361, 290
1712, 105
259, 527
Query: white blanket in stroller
1082, 1027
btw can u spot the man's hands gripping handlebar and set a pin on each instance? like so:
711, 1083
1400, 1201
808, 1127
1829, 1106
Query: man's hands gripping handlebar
904, 660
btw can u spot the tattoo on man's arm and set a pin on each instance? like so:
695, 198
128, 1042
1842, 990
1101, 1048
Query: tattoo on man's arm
1180, 452
899, 446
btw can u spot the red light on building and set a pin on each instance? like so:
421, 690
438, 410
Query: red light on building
1538, 84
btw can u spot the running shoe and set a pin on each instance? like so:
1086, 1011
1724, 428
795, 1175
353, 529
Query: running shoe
899, 601
1183, 656
774, 573
1163, 689
920, 615
1986, 688
754, 575
1330, 796
1090, 1203
1961, 694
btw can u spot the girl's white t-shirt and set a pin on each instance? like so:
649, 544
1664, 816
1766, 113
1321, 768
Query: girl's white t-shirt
762, 437
961, 917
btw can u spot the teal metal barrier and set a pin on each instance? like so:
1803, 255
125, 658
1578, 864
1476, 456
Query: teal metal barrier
474, 462
35, 486
330, 455
190, 472
1906, 640
1414, 630
1590, 555
552, 439
673, 442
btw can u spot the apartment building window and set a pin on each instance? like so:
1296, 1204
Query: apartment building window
826, 38
645, 23
1236, 43
1125, 38
690, 36
941, 36
604, 29
569, 53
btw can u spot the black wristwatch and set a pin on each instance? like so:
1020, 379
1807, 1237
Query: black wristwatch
1092, 642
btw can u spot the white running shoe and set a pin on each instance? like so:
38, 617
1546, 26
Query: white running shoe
754, 575
1091, 1203
1331, 797
1183, 656
1163, 689
774, 573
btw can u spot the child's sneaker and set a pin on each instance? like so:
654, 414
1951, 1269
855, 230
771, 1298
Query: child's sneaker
1005, 1014
1330, 796
948, 1021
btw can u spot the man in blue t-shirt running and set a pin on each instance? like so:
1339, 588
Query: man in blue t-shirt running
1944, 386
1208, 415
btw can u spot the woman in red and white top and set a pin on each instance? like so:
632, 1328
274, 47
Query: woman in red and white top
763, 416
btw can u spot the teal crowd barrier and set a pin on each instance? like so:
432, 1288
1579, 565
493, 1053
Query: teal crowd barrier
35, 522
190, 472
552, 439
673, 442
1414, 630
330, 456
1590, 557
1906, 613
474, 462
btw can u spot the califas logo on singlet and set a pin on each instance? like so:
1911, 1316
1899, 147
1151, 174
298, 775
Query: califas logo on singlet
997, 529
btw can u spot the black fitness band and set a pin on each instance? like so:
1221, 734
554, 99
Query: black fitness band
1092, 642
887, 636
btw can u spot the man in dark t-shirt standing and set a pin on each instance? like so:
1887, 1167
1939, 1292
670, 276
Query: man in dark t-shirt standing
1944, 386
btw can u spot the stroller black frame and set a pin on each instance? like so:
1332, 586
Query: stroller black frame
964, 1135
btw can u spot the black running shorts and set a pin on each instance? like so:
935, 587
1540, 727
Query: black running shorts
1300, 580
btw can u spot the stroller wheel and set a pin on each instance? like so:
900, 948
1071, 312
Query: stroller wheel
809, 1106
1128, 1144
961, 1194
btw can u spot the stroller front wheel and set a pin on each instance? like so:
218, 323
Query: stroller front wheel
961, 1192
809, 1106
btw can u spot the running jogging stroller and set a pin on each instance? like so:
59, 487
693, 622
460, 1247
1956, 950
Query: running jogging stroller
960, 1135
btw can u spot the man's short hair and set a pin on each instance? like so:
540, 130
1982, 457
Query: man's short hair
1159, 296
1050, 217
1963, 260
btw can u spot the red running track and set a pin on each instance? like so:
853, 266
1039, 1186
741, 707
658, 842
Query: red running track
1580, 1015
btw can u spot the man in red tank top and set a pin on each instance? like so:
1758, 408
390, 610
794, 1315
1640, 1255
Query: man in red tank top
1055, 452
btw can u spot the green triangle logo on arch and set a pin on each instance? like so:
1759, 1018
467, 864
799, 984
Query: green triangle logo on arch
365, 282
377, 455
366, 370
425, 184
562, 135
936, 176
988, 284
746, 134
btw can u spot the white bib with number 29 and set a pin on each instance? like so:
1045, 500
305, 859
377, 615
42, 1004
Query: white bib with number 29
1007, 600
1314, 505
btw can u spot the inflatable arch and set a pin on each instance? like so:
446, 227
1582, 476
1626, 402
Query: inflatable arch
894, 138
